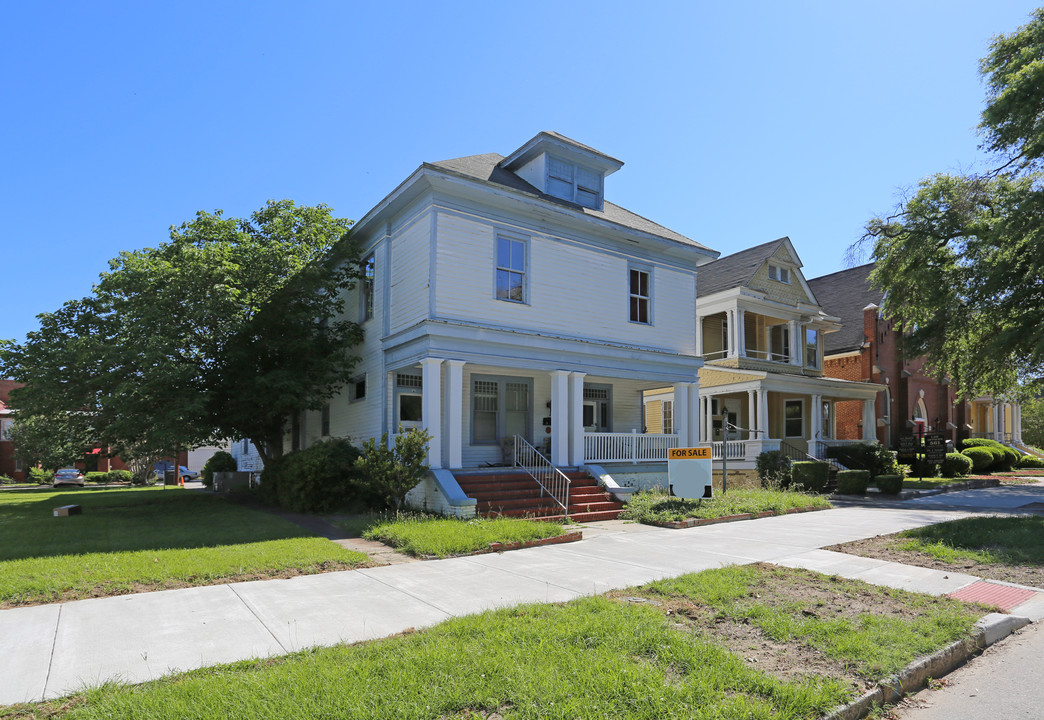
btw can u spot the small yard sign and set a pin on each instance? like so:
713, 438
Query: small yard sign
689, 472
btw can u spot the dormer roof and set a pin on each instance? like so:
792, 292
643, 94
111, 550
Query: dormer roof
554, 143
739, 269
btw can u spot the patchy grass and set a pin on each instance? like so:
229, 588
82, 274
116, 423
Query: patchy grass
659, 651
1002, 548
658, 507
425, 535
134, 540
913, 483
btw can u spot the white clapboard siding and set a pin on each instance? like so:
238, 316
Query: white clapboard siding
572, 290
410, 260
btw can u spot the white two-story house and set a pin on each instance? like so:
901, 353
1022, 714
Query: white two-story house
506, 297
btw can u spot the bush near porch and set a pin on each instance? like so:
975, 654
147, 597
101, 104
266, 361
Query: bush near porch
875, 458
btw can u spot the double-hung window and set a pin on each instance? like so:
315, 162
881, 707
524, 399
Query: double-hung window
793, 418
779, 273
511, 269
811, 348
641, 299
668, 417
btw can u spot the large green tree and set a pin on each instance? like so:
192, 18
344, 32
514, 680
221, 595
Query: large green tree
226, 330
962, 260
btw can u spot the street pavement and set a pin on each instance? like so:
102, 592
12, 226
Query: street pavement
49, 651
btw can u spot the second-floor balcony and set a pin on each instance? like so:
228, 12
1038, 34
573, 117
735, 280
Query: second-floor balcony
744, 339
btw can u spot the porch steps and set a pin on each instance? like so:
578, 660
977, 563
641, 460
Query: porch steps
515, 494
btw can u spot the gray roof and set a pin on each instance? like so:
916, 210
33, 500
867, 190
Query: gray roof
734, 270
845, 294
487, 168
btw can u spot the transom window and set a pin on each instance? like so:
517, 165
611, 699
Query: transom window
511, 269
640, 297
779, 273
573, 182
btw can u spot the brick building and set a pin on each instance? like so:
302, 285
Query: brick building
867, 349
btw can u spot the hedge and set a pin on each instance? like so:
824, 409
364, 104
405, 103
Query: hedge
956, 465
320, 478
220, 461
853, 482
981, 457
890, 484
110, 476
810, 475
1031, 461
874, 457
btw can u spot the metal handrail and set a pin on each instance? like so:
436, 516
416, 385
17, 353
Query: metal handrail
551, 480
800, 455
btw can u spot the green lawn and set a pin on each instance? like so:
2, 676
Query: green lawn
423, 535
130, 540
1007, 540
645, 653
913, 483
657, 507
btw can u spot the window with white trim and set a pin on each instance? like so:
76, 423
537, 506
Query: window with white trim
511, 269
668, 417
573, 182
779, 343
811, 348
366, 289
357, 389
794, 418
640, 295
779, 273
500, 407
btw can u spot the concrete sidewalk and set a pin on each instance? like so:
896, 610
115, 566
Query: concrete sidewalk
52, 650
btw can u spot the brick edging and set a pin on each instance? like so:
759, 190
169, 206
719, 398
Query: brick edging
698, 522
556, 540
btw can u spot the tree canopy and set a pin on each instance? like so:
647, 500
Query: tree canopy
224, 331
962, 260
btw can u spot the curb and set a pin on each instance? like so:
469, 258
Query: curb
990, 629
698, 522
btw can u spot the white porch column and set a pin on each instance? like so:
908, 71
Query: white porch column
995, 418
730, 320
694, 414
817, 419
763, 414
681, 411
752, 418
708, 427
699, 335
741, 333
869, 421
454, 413
559, 417
795, 343
431, 407
1016, 410
576, 418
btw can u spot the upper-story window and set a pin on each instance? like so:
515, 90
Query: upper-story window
511, 269
366, 286
777, 272
811, 348
573, 182
641, 300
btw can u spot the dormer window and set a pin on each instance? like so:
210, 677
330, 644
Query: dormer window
779, 273
574, 183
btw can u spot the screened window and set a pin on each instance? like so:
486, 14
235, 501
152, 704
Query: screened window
794, 418
575, 183
511, 269
811, 348
367, 287
500, 407
640, 298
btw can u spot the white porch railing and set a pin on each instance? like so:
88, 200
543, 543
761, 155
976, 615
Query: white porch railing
631, 447
735, 449
552, 481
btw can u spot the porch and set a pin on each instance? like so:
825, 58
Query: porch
634, 447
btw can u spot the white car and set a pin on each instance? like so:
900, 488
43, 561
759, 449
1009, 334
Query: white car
68, 476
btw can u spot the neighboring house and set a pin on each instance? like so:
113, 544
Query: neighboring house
867, 349
246, 455
9, 464
507, 297
762, 330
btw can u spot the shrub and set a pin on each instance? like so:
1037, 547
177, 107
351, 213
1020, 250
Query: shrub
6, 480
956, 465
889, 484
853, 482
978, 442
774, 470
874, 457
320, 478
110, 476
922, 468
391, 472
981, 457
1011, 458
811, 476
43, 477
1031, 461
220, 461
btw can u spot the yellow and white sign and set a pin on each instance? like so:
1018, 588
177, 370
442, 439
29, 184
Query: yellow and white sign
689, 472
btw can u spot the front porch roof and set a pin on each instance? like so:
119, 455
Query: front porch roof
729, 380
500, 347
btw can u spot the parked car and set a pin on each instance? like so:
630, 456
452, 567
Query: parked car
162, 467
68, 476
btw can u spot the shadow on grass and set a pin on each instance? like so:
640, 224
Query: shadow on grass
1011, 540
121, 520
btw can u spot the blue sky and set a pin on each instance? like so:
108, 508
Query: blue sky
737, 124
